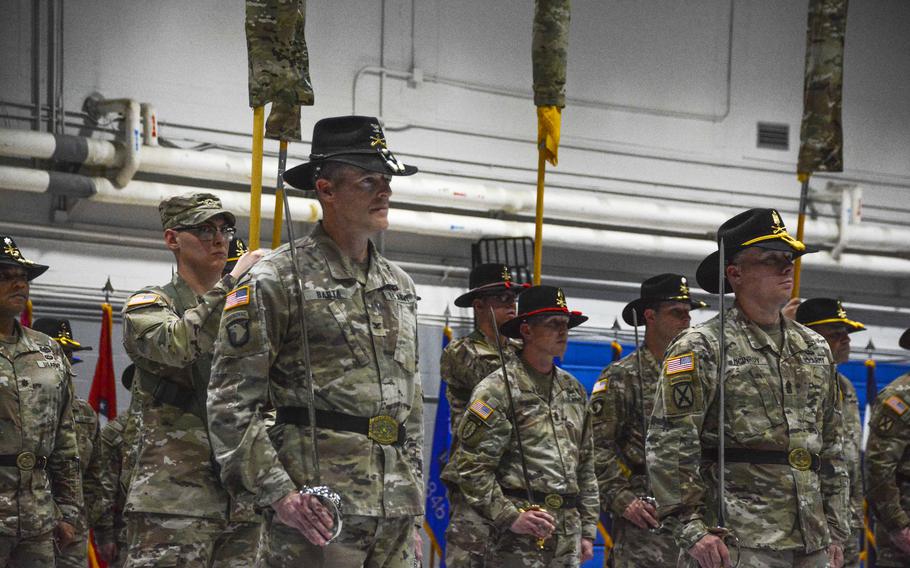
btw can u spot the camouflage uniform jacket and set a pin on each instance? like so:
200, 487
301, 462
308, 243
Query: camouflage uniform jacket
88, 437
556, 437
169, 332
776, 399
363, 351
888, 456
36, 415
111, 527
852, 443
616, 418
464, 363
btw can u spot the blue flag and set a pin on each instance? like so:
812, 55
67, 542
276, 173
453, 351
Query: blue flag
437, 507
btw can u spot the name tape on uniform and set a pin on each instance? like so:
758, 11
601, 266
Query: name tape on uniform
237, 298
480, 408
680, 364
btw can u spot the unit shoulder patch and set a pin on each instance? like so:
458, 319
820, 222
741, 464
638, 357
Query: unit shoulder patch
679, 364
472, 431
682, 396
238, 297
896, 404
142, 300
481, 409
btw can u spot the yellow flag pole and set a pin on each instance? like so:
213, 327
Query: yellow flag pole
800, 229
256, 181
538, 222
279, 193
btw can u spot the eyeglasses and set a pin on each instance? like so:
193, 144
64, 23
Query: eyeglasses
206, 233
13, 276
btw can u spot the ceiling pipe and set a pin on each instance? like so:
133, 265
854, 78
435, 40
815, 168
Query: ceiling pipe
143, 193
589, 207
131, 146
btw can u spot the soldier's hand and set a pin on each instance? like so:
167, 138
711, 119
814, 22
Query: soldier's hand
901, 540
306, 514
789, 309
108, 552
65, 533
247, 261
711, 552
835, 555
587, 550
539, 524
642, 514
418, 547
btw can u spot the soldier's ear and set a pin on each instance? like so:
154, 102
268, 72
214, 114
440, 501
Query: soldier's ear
170, 240
324, 189
733, 273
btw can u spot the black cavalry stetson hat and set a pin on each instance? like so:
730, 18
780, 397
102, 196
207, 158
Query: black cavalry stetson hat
761, 228
818, 311
10, 255
60, 331
353, 140
540, 300
236, 249
661, 288
904, 341
488, 278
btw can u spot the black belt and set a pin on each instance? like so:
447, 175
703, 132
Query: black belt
551, 500
25, 461
382, 429
798, 458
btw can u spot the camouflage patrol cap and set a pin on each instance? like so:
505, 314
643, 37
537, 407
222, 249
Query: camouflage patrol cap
191, 210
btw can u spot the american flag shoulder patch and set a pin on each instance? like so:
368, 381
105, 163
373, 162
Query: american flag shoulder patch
237, 298
896, 404
142, 299
481, 409
680, 364
600, 386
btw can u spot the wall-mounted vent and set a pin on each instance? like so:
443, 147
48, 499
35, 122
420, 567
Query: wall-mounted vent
773, 136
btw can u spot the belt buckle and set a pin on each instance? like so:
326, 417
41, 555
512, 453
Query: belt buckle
800, 459
26, 461
383, 429
554, 501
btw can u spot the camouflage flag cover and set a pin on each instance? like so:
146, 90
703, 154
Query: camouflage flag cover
279, 63
821, 135
549, 49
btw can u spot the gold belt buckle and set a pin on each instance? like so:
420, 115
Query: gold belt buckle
383, 429
26, 461
800, 459
554, 501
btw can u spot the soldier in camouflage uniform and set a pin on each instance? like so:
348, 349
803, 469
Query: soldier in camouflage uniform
621, 403
361, 319
464, 363
888, 469
555, 436
40, 489
177, 511
786, 489
828, 318
110, 532
88, 437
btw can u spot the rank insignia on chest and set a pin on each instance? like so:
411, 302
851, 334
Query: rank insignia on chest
600, 386
237, 298
680, 364
896, 404
141, 300
481, 409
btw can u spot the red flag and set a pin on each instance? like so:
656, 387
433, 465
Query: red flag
26, 317
94, 559
103, 396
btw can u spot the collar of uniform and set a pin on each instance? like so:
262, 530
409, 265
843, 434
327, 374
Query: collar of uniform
794, 338
758, 339
379, 274
28, 341
648, 360
185, 294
